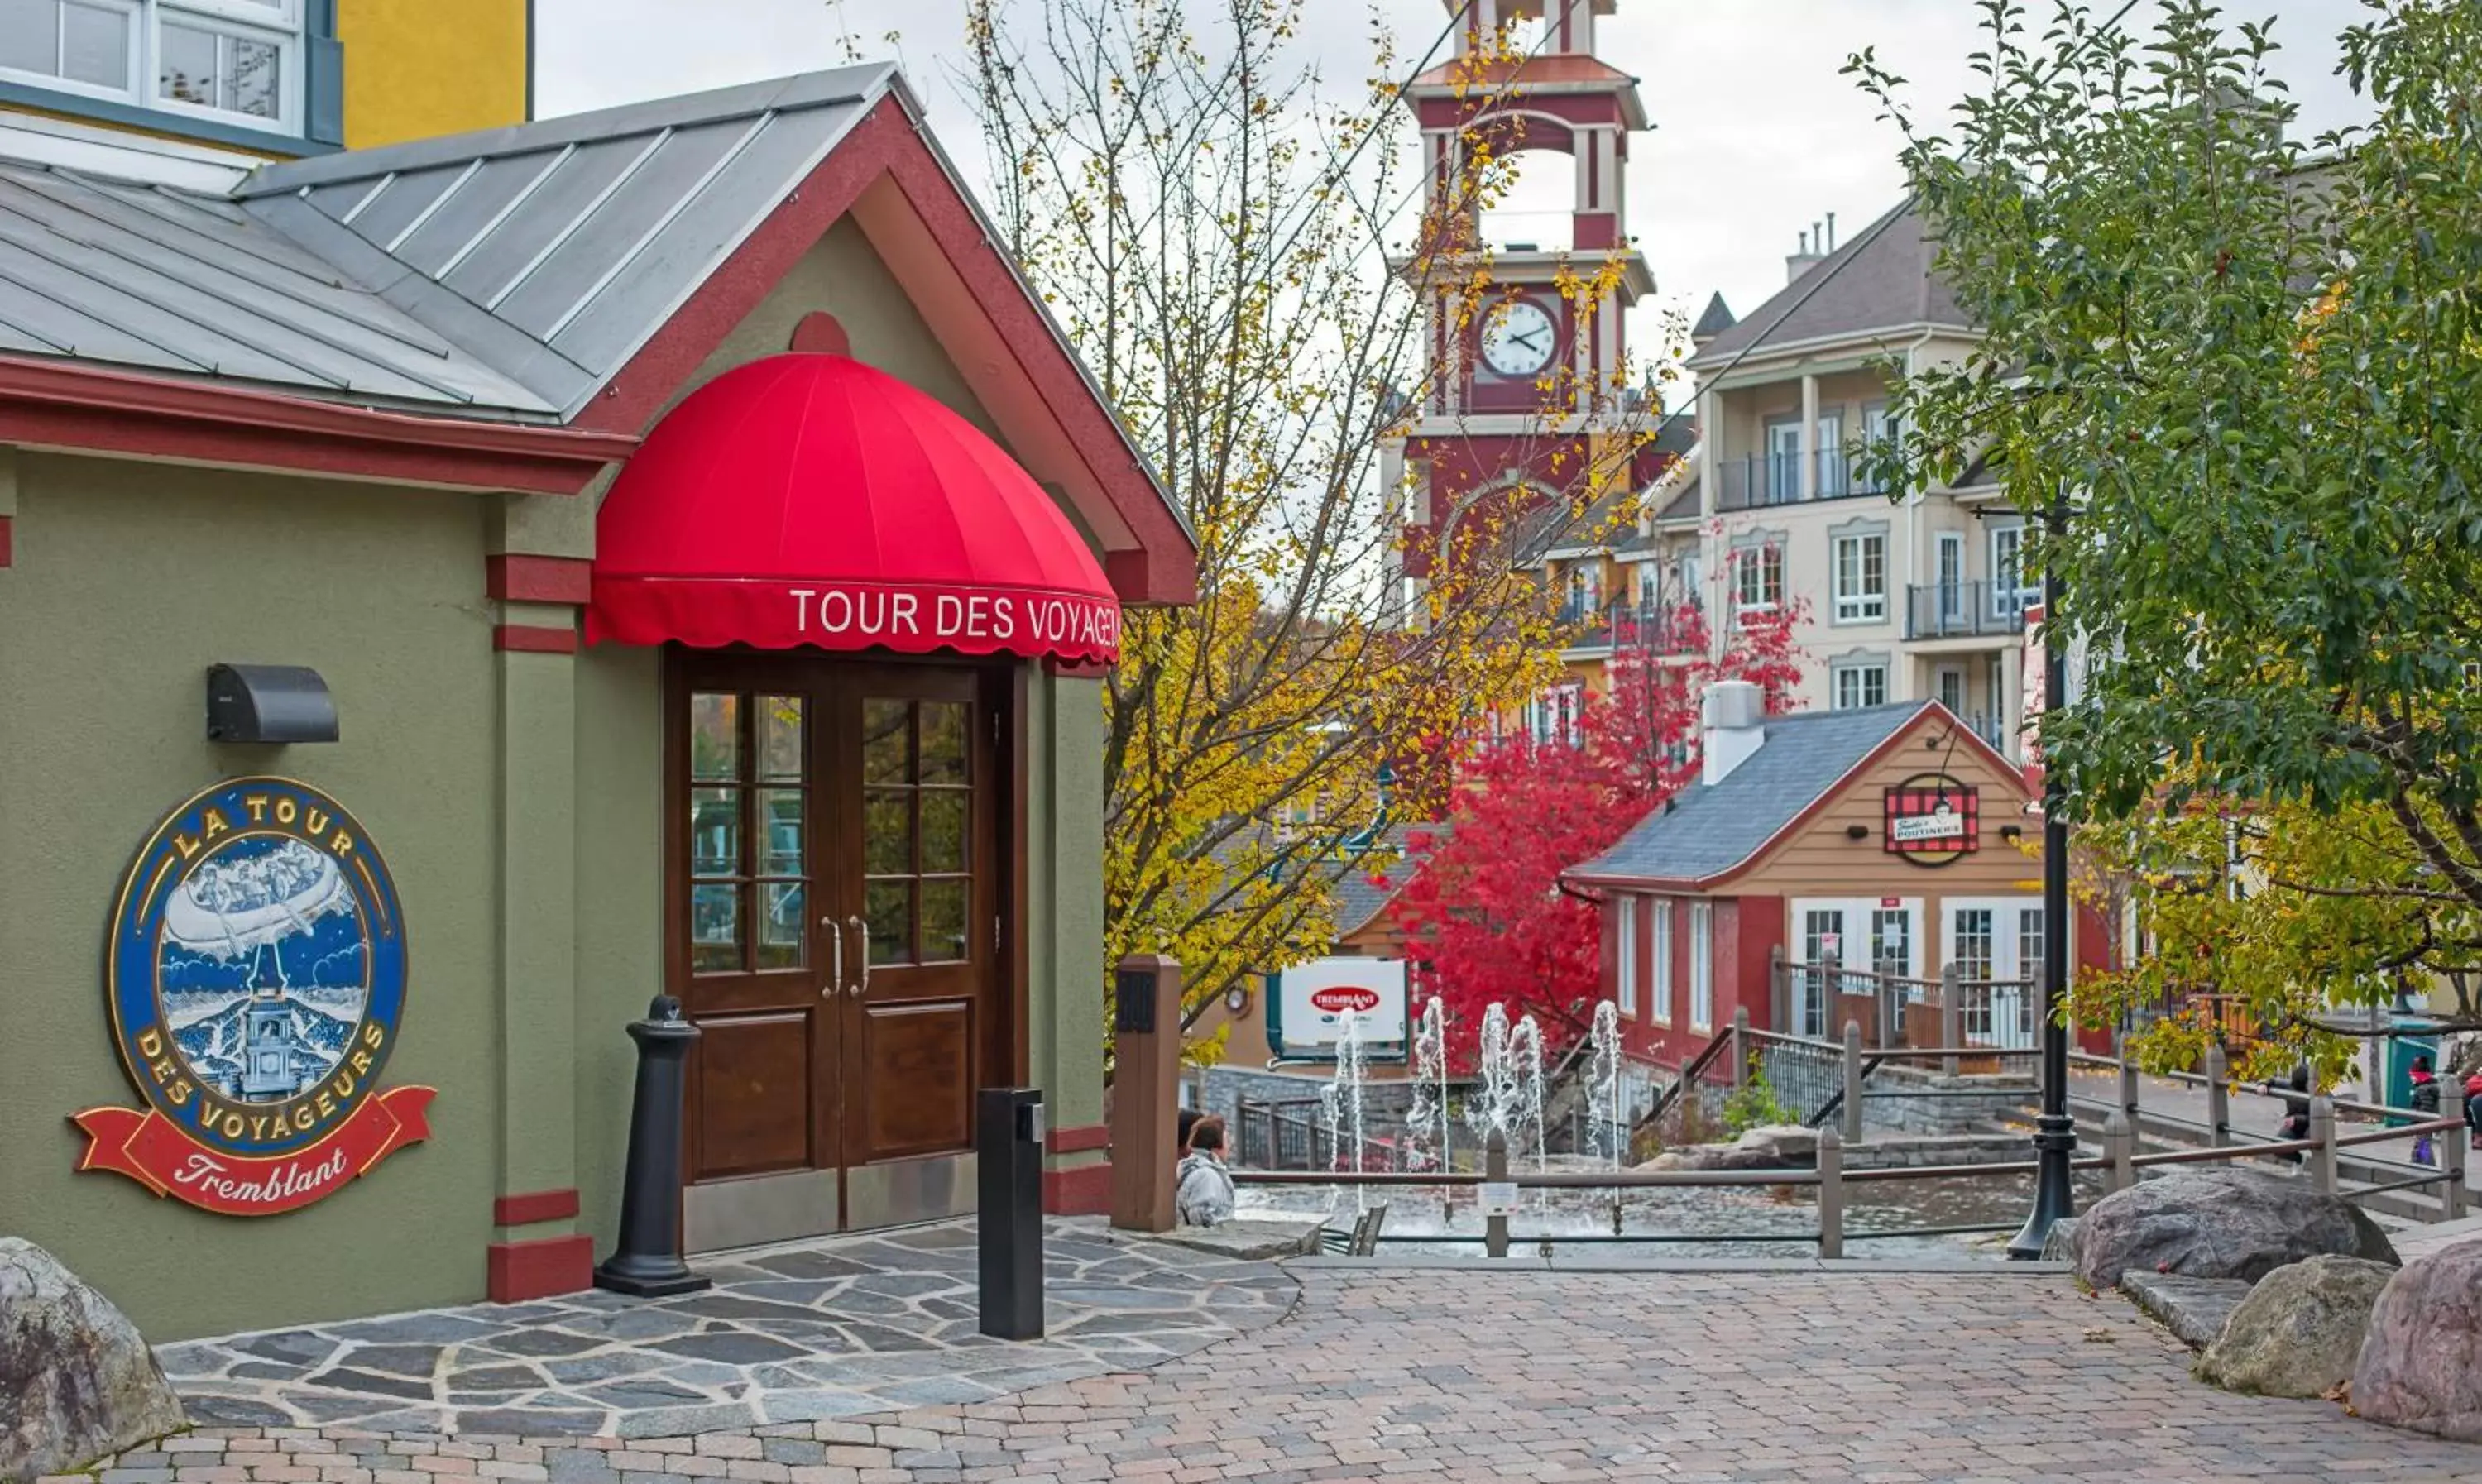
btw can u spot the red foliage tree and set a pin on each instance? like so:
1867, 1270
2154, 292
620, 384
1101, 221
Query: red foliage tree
1487, 915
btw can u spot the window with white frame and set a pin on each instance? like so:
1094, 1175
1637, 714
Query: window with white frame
1662, 1006
1552, 716
1758, 577
2010, 589
1861, 682
1627, 984
235, 60
1860, 578
1702, 965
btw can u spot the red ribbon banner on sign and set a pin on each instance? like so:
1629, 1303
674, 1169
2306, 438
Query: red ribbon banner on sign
151, 1150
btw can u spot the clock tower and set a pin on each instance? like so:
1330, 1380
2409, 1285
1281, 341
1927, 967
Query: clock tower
1523, 407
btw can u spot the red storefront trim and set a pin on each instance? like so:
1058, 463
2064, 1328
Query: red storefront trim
84, 408
1077, 1141
534, 638
537, 579
524, 1210
548, 1267
1085, 1191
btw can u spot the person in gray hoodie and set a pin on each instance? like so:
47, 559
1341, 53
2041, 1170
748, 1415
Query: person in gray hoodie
1204, 1196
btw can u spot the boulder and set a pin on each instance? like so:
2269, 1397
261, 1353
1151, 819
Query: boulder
81, 1381
2225, 1223
2421, 1365
2299, 1332
1774, 1147
2195, 1310
2060, 1243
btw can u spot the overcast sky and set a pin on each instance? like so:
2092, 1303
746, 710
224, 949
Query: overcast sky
1756, 134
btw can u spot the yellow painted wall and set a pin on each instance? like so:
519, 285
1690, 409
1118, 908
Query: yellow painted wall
417, 69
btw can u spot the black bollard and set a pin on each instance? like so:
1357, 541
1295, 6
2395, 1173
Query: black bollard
648, 1263
1008, 1149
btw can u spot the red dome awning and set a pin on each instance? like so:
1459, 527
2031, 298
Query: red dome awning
810, 499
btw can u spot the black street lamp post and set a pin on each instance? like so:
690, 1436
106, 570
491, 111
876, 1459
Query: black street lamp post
2055, 1132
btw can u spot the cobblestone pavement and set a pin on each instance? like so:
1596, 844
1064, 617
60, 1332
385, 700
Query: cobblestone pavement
1453, 1374
798, 1333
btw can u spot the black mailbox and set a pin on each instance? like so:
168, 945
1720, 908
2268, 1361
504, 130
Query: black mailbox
269, 703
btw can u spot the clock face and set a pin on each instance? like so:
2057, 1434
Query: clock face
1237, 1000
1517, 339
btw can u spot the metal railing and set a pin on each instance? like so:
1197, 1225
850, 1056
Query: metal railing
1666, 629
1293, 1135
1966, 610
1810, 999
2121, 1164
1757, 481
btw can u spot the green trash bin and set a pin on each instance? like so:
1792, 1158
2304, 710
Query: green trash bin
2402, 1048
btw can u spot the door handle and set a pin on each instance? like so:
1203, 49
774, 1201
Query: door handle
861, 930
836, 934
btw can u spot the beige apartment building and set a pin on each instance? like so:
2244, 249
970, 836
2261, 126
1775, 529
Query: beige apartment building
1923, 598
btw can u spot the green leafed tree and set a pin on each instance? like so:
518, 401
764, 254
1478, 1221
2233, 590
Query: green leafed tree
2240, 375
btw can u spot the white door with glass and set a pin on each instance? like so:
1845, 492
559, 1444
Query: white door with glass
1783, 462
1950, 567
1842, 941
1997, 946
1831, 456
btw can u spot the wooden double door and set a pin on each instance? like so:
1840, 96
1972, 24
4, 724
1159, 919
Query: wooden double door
836, 936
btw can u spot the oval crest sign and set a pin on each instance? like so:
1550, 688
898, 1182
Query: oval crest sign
256, 977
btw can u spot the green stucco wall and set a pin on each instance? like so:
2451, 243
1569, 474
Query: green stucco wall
620, 908
129, 580
518, 798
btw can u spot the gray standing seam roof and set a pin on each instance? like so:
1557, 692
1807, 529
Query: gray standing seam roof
1705, 831
508, 273
1884, 278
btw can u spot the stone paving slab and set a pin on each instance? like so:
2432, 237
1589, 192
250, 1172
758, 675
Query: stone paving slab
1689, 1378
793, 1333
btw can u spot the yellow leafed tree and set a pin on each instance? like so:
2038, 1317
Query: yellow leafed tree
1214, 231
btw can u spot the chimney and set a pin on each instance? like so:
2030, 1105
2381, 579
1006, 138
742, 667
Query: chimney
1830, 234
1806, 258
1735, 717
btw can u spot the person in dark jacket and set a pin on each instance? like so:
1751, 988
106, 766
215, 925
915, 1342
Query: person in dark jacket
2297, 1108
2425, 1102
2473, 1108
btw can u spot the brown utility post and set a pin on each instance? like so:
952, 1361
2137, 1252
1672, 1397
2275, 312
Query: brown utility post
1145, 1145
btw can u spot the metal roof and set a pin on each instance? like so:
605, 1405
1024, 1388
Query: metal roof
162, 279
1706, 830
512, 271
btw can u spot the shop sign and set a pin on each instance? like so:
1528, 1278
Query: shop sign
1933, 819
1312, 1007
255, 979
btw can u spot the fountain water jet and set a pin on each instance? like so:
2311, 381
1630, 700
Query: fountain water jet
1341, 1100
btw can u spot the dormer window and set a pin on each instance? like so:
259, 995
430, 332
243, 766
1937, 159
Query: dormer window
232, 62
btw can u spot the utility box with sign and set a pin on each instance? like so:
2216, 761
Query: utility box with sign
1309, 1005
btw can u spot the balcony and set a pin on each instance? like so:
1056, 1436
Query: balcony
1966, 610
1655, 629
1761, 480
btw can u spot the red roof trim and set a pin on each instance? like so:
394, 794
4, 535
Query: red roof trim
2006, 770
85, 408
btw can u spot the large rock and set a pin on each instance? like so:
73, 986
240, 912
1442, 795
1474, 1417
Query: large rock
2299, 1330
80, 1381
1774, 1147
2221, 1224
2421, 1356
